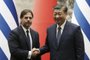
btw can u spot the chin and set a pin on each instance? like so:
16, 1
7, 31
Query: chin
58, 22
27, 26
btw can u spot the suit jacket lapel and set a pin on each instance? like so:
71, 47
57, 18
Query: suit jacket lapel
24, 37
64, 33
32, 36
54, 36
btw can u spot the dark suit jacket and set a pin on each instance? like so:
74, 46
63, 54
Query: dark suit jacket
71, 45
19, 45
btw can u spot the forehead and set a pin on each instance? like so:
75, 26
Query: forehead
56, 10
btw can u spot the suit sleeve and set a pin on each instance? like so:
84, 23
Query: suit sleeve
45, 48
14, 45
79, 44
37, 41
36, 45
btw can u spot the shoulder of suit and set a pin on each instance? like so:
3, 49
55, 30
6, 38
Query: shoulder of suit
17, 29
52, 26
72, 24
32, 30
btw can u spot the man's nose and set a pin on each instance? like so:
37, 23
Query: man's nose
57, 16
28, 18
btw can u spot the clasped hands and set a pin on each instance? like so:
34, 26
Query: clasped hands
35, 52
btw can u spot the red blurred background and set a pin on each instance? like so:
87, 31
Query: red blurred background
43, 18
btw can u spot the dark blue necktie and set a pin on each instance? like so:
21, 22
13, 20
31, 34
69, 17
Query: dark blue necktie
28, 38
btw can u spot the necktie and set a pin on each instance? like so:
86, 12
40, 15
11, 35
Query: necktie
58, 34
28, 38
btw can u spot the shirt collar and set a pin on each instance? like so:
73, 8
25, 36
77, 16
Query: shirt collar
62, 26
25, 29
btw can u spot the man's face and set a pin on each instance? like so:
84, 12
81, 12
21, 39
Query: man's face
59, 16
26, 20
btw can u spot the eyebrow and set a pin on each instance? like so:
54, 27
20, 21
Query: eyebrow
28, 17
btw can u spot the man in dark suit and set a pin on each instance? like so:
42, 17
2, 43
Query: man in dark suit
64, 39
22, 39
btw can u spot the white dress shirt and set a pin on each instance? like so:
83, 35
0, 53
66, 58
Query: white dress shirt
30, 52
62, 28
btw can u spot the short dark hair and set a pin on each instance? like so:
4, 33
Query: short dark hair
58, 7
25, 11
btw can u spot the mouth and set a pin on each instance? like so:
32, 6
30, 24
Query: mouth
58, 19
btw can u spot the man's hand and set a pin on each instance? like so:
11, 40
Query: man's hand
35, 51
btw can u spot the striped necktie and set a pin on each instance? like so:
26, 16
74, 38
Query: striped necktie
58, 34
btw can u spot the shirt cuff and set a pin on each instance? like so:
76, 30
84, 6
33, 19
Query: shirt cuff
29, 55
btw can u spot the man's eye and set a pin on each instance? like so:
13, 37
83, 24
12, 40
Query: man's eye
57, 13
28, 17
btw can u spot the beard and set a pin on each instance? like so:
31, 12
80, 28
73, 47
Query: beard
27, 25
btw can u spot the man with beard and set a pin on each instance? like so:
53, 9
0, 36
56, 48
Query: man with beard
22, 39
64, 39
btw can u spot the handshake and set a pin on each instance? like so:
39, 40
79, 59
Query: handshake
35, 52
